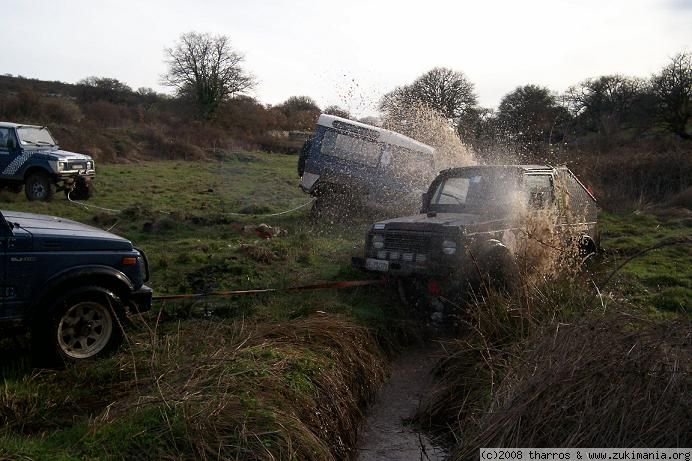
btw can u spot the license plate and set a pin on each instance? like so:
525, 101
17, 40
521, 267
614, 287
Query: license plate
376, 265
77, 166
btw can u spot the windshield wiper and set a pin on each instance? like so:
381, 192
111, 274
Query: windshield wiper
43, 143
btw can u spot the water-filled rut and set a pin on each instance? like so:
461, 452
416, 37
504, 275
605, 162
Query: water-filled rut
387, 433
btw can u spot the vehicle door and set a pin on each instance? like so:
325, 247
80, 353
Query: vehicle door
9, 148
542, 217
16, 270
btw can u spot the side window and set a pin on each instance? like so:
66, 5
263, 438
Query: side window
539, 190
5, 136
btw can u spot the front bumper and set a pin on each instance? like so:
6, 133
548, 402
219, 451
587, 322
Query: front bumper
140, 300
72, 176
401, 268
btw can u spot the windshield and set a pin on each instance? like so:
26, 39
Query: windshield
477, 191
34, 135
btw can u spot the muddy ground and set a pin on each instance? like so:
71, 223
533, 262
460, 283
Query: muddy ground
387, 432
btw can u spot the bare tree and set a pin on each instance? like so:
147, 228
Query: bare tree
605, 104
673, 87
207, 69
530, 114
447, 91
443, 90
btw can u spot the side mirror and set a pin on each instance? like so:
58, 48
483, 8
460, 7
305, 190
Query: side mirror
11, 144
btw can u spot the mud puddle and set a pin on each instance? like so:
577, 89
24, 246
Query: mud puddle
387, 433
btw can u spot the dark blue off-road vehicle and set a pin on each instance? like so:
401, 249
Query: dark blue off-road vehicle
30, 157
69, 284
484, 222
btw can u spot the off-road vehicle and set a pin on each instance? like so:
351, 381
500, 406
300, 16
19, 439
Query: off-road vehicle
30, 156
69, 284
349, 165
474, 223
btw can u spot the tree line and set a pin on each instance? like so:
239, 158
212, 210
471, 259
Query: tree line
211, 83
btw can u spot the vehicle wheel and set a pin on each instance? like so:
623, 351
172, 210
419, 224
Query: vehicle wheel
39, 187
499, 270
411, 293
83, 190
83, 324
587, 246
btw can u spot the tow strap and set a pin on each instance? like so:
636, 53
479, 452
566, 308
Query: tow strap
317, 286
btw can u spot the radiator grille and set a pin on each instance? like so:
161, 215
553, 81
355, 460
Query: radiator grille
406, 242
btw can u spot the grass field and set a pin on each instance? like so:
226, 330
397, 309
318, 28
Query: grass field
274, 376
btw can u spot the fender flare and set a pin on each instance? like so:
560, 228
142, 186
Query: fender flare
109, 278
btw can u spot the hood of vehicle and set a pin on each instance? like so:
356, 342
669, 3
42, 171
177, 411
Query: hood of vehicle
60, 234
67, 155
440, 222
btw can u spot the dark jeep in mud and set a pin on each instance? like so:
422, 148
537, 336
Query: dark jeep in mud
69, 284
30, 156
478, 223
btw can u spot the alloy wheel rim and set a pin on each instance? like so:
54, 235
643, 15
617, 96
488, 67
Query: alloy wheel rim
85, 330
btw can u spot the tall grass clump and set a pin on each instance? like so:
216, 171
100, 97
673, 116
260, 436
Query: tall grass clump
206, 390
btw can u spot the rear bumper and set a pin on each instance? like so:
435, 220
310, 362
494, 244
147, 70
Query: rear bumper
140, 300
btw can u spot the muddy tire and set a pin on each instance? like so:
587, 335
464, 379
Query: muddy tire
499, 270
83, 324
39, 187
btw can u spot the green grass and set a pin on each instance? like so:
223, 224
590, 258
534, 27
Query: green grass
662, 277
182, 214
189, 218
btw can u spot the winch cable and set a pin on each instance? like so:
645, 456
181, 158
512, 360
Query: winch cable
88, 207
268, 215
316, 286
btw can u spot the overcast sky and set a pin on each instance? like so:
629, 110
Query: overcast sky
350, 52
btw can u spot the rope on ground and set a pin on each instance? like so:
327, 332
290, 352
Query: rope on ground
87, 207
317, 286
115, 211
269, 215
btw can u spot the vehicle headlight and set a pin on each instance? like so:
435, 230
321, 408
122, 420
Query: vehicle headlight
449, 247
90, 165
61, 166
378, 242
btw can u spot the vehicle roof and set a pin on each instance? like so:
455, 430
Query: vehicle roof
386, 136
17, 125
519, 168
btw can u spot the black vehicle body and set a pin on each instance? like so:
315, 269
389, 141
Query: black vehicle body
40, 165
43, 258
450, 242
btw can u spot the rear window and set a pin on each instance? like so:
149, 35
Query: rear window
351, 148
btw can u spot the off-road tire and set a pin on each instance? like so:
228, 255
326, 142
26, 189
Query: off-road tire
83, 324
498, 270
39, 187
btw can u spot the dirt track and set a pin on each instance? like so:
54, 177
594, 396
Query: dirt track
386, 433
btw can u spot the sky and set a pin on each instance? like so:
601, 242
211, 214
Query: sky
350, 52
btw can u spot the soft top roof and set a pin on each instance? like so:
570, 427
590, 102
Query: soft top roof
384, 135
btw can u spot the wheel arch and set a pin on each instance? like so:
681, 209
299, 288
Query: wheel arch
112, 281
37, 169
